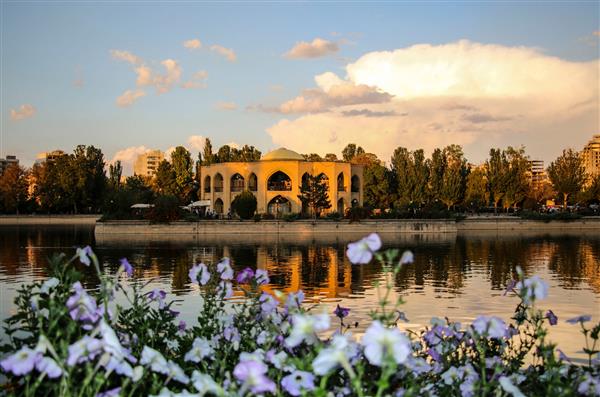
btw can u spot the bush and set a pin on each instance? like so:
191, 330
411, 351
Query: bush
244, 204
558, 216
166, 209
66, 340
117, 205
333, 216
267, 216
257, 217
290, 217
357, 213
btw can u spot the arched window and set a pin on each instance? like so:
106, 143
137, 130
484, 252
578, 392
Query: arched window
219, 206
218, 183
279, 181
207, 184
252, 182
341, 207
305, 179
355, 184
237, 183
324, 179
279, 205
340, 183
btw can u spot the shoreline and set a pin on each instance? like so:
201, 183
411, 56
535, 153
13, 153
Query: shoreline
17, 220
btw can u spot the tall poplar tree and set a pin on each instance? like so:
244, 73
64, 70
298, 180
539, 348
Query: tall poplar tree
567, 174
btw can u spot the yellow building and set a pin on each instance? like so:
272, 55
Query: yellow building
146, 164
276, 179
591, 156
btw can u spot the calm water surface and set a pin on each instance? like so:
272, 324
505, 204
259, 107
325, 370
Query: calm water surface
454, 276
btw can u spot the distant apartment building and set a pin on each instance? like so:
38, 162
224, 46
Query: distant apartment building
591, 156
7, 162
537, 173
147, 164
49, 156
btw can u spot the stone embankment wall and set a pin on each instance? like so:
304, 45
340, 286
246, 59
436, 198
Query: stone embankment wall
16, 220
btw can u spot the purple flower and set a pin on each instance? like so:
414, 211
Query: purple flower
532, 289
341, 312
181, 326
110, 393
224, 267
563, 356
361, 252
202, 270
81, 306
379, 342
407, 257
552, 319
580, 319
294, 300
262, 277
48, 366
267, 304
21, 362
85, 254
158, 295
510, 286
252, 374
245, 276
298, 382
83, 350
491, 326
434, 354
225, 290
126, 266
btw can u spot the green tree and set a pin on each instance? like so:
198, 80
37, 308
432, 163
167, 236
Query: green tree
378, 186
567, 174
330, 157
115, 171
401, 163
312, 157
13, 189
351, 151
592, 191
140, 189
496, 170
224, 154
437, 168
249, 153
517, 177
454, 177
182, 164
209, 157
87, 167
244, 204
165, 182
314, 195
477, 194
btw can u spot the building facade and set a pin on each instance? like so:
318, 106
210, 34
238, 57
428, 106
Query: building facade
146, 164
7, 162
49, 156
537, 173
591, 156
276, 181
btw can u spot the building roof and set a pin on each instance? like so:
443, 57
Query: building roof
283, 154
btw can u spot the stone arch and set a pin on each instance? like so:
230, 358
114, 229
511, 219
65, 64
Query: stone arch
279, 205
219, 206
355, 184
218, 182
279, 181
323, 178
340, 183
252, 182
207, 184
237, 183
305, 178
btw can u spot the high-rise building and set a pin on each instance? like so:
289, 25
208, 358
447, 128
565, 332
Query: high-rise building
147, 164
49, 156
591, 156
537, 173
7, 162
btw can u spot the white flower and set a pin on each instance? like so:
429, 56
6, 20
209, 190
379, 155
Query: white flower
361, 252
532, 289
204, 383
48, 285
508, 387
225, 289
491, 326
156, 360
175, 372
407, 257
224, 267
451, 375
202, 270
304, 328
339, 352
200, 348
380, 342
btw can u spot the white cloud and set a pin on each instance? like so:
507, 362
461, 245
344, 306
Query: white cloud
196, 142
234, 145
596, 33
226, 105
126, 56
193, 44
473, 94
161, 82
226, 52
129, 97
24, 111
315, 49
127, 157
198, 80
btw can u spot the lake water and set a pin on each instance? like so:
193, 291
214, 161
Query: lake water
455, 276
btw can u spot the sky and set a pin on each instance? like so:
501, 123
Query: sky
132, 76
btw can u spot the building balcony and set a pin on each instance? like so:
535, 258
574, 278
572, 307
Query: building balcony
279, 186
